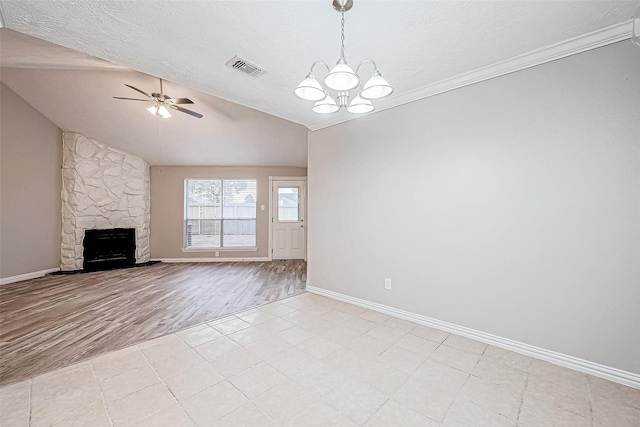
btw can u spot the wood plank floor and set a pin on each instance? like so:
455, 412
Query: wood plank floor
54, 321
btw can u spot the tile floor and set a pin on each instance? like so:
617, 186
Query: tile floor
312, 361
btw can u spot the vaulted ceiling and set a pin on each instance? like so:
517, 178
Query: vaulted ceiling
414, 43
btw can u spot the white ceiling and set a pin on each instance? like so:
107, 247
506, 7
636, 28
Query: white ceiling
414, 43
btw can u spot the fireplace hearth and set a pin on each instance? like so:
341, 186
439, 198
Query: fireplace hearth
109, 249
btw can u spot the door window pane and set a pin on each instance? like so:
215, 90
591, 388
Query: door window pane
287, 204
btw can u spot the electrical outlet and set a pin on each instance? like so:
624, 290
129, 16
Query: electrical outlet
217, 253
387, 284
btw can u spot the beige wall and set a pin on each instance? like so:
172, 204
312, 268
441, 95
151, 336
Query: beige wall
167, 207
511, 206
30, 181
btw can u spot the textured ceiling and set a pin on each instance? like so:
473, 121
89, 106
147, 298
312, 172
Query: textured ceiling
414, 43
21, 51
228, 135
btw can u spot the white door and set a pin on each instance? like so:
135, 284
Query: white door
288, 228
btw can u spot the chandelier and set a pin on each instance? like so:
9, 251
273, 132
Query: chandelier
342, 82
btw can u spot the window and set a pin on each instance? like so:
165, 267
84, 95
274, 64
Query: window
220, 213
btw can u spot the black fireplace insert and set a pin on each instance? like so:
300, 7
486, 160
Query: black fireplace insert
109, 249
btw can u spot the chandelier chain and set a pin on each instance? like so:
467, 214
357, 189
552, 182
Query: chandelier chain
342, 37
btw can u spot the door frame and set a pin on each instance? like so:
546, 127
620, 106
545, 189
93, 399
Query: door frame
271, 210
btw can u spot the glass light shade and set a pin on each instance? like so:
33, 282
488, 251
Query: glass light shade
159, 111
376, 87
326, 106
162, 110
342, 77
309, 89
360, 105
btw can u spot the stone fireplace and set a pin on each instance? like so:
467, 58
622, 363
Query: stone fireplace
102, 188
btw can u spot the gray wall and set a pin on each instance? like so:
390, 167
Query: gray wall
510, 206
30, 185
167, 207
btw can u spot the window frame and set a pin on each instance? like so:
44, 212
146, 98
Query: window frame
185, 218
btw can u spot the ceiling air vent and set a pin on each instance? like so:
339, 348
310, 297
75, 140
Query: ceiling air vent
245, 66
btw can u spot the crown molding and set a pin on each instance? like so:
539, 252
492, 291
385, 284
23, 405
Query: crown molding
572, 46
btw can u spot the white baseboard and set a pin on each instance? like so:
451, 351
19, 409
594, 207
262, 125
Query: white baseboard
27, 276
613, 374
249, 259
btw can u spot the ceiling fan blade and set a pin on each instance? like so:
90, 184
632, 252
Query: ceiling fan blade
131, 99
184, 110
181, 101
136, 89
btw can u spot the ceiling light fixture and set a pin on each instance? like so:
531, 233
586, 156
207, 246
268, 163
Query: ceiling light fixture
159, 110
162, 102
341, 79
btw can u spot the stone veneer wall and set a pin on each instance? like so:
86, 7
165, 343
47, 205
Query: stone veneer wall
101, 188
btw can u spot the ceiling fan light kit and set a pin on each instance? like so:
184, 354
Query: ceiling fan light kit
161, 101
159, 110
341, 79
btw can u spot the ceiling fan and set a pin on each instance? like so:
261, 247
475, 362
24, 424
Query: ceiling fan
161, 101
